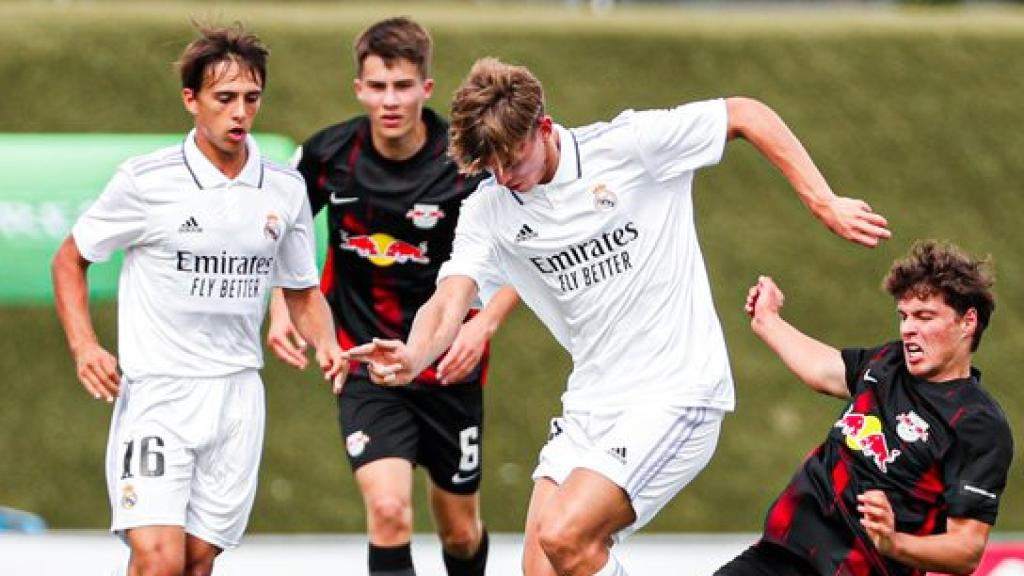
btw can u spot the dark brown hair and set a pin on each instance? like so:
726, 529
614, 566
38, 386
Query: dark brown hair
218, 44
934, 267
393, 39
493, 112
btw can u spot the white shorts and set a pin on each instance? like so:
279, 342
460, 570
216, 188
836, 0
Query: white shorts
651, 451
186, 452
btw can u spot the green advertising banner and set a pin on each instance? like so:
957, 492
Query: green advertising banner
47, 180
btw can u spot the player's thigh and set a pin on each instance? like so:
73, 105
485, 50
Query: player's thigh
455, 512
376, 423
227, 466
451, 433
150, 458
587, 507
157, 546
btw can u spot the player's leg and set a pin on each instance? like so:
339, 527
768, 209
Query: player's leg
575, 526
381, 438
451, 432
464, 541
535, 561
156, 550
226, 471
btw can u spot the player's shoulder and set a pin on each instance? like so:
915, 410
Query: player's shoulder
155, 163
329, 140
282, 175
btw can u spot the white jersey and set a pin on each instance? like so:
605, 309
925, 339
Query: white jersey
606, 255
200, 255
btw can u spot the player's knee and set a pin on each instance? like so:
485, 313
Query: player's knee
391, 514
461, 541
567, 547
157, 560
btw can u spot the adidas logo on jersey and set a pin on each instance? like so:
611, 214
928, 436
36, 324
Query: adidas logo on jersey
619, 452
525, 233
190, 225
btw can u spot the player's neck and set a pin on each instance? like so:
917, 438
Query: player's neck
403, 147
229, 163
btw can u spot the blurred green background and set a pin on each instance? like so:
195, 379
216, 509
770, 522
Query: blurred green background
918, 112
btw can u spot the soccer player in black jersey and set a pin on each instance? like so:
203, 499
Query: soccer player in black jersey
909, 478
393, 197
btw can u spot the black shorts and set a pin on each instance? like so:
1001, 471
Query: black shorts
767, 559
437, 427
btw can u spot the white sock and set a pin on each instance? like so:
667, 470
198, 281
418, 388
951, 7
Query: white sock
612, 567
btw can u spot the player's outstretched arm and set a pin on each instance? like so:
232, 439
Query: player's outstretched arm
283, 338
312, 317
393, 363
957, 551
469, 345
848, 217
817, 364
96, 368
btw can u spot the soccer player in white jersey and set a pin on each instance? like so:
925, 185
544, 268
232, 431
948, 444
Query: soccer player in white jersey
594, 228
207, 228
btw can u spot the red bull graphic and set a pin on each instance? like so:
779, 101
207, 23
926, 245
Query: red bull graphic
864, 434
384, 250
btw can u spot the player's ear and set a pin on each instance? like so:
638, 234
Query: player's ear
969, 323
188, 98
428, 88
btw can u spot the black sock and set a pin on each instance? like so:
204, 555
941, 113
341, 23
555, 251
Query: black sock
391, 560
473, 566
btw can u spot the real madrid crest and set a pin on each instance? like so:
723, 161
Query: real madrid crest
272, 227
604, 199
128, 497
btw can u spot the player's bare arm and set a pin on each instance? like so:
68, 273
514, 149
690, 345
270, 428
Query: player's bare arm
96, 368
312, 318
957, 551
282, 336
817, 364
437, 322
468, 348
848, 217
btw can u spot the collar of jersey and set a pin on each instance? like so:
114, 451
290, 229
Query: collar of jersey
207, 175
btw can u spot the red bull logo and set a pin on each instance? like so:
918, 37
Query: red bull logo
384, 250
864, 434
910, 427
425, 216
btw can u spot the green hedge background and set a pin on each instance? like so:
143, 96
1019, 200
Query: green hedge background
918, 112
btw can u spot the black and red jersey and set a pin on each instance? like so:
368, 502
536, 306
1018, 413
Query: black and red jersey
391, 226
938, 450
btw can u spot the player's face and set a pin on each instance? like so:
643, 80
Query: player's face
936, 340
535, 162
224, 110
393, 97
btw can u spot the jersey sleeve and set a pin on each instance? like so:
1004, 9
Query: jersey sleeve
856, 360
978, 463
674, 142
116, 220
295, 265
473, 251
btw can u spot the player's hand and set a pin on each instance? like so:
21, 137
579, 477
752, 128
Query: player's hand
763, 299
286, 343
97, 371
387, 361
465, 352
334, 363
878, 519
854, 220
